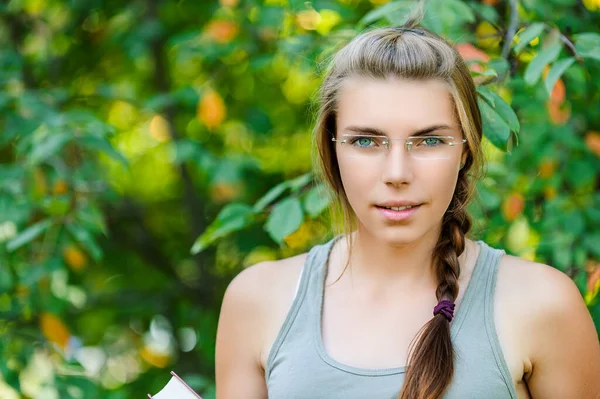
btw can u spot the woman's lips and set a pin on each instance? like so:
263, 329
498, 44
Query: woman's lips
396, 216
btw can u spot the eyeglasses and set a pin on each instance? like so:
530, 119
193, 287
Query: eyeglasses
419, 147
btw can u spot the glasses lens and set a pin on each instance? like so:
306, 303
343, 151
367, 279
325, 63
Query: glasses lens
363, 146
431, 147
374, 148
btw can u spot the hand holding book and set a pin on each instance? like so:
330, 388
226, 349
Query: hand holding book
176, 388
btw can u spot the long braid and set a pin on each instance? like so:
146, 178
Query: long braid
431, 365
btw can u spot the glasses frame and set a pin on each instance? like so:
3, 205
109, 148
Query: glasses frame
387, 140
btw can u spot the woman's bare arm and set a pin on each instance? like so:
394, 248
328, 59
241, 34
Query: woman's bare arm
564, 342
239, 373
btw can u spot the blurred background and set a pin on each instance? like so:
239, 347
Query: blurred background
151, 149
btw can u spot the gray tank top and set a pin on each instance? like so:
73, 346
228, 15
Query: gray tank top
298, 367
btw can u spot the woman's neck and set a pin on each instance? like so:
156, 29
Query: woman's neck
377, 265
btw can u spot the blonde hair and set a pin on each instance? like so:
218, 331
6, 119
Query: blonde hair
410, 52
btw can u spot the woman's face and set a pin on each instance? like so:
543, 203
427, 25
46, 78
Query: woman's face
398, 109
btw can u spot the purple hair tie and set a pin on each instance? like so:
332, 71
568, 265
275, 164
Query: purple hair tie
446, 308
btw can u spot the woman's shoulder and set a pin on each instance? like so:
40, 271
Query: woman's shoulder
266, 288
268, 278
538, 282
264, 292
553, 325
538, 296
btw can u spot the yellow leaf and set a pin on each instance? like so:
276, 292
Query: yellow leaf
592, 5
487, 36
155, 358
329, 19
308, 19
160, 129
39, 181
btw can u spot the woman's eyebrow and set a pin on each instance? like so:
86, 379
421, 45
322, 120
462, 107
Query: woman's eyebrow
373, 131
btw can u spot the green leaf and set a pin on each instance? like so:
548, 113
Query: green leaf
233, 217
590, 241
48, 146
398, 11
588, 44
86, 239
300, 181
575, 223
562, 257
103, 145
29, 234
460, 10
507, 113
489, 199
91, 218
487, 94
316, 201
286, 218
501, 107
530, 33
495, 128
536, 66
6, 279
294, 185
270, 196
558, 68
56, 205
31, 275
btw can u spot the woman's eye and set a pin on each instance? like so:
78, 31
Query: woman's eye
363, 141
432, 141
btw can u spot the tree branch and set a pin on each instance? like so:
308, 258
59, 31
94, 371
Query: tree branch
512, 28
194, 204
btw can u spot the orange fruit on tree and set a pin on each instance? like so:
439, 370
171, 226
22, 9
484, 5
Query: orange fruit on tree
513, 206
547, 168
60, 187
222, 31
549, 192
471, 53
75, 258
593, 277
559, 113
211, 109
559, 92
592, 141
225, 191
54, 329
229, 3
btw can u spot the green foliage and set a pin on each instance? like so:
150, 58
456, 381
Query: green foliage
150, 149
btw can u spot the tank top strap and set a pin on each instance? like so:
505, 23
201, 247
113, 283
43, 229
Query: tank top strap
304, 299
474, 299
317, 277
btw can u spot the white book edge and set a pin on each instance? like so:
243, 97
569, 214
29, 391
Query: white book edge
176, 388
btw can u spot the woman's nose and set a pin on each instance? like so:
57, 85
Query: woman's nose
397, 165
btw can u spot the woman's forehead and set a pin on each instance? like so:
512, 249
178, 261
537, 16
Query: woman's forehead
395, 102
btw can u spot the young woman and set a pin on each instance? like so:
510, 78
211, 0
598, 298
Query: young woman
405, 305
